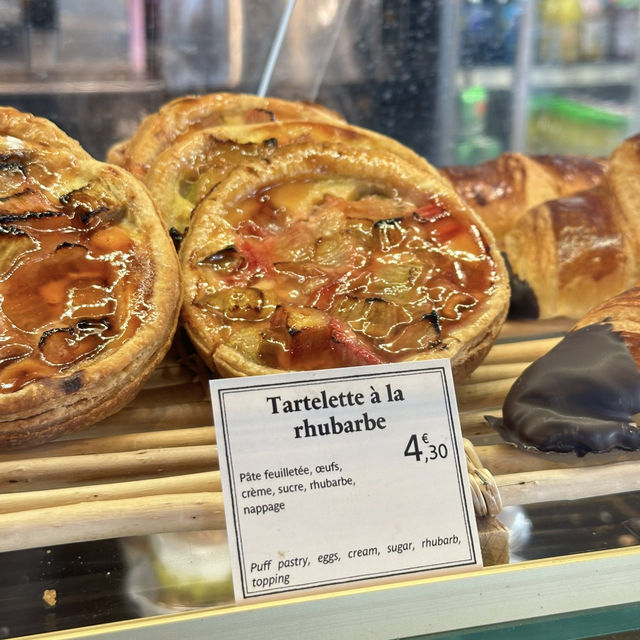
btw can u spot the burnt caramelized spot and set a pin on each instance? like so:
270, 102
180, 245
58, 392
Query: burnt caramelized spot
70, 245
259, 114
49, 332
65, 345
11, 223
72, 384
14, 231
12, 166
66, 198
13, 162
29, 215
177, 237
228, 259
88, 215
389, 222
434, 319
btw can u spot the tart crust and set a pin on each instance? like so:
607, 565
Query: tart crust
189, 113
89, 284
218, 267
187, 170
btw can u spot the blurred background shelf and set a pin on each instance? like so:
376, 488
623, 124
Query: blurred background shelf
459, 81
589, 75
52, 86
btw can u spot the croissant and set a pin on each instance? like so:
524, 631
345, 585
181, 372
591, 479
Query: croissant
583, 395
503, 189
569, 254
89, 284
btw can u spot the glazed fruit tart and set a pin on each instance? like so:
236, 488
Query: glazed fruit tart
324, 255
89, 284
188, 169
186, 114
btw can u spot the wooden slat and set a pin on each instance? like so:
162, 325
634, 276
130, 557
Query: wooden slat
486, 372
568, 484
152, 466
102, 519
190, 483
524, 351
169, 375
503, 459
482, 394
473, 423
117, 443
514, 330
134, 417
33, 473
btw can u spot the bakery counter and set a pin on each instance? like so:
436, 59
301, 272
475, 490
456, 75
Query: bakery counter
118, 531
557, 597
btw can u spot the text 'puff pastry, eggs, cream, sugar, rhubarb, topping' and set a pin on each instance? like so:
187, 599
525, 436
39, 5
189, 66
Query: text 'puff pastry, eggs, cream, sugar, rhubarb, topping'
324, 256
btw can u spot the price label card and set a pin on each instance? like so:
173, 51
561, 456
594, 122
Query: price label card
340, 476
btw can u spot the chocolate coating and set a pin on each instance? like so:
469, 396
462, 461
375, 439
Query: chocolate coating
580, 397
523, 304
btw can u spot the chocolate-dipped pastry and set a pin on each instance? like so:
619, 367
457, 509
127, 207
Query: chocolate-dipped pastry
576, 251
582, 396
503, 189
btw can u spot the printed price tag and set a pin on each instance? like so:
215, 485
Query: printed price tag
345, 475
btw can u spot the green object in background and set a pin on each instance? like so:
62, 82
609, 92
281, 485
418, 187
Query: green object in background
477, 149
560, 124
474, 145
473, 110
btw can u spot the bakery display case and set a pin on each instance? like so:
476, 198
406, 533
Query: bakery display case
118, 530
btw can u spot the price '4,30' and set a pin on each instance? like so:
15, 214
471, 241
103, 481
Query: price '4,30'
431, 452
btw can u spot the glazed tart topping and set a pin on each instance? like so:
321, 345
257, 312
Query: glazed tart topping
325, 273
70, 283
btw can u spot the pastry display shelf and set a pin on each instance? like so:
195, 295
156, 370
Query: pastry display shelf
52, 85
551, 76
445, 605
153, 468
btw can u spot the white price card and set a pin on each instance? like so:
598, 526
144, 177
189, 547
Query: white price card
335, 477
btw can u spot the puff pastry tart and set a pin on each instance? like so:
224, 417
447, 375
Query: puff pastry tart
582, 396
326, 256
89, 284
188, 169
161, 129
571, 253
503, 189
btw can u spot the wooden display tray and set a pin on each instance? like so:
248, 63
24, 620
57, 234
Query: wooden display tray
153, 466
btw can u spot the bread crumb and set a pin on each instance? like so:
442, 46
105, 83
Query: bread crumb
49, 596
